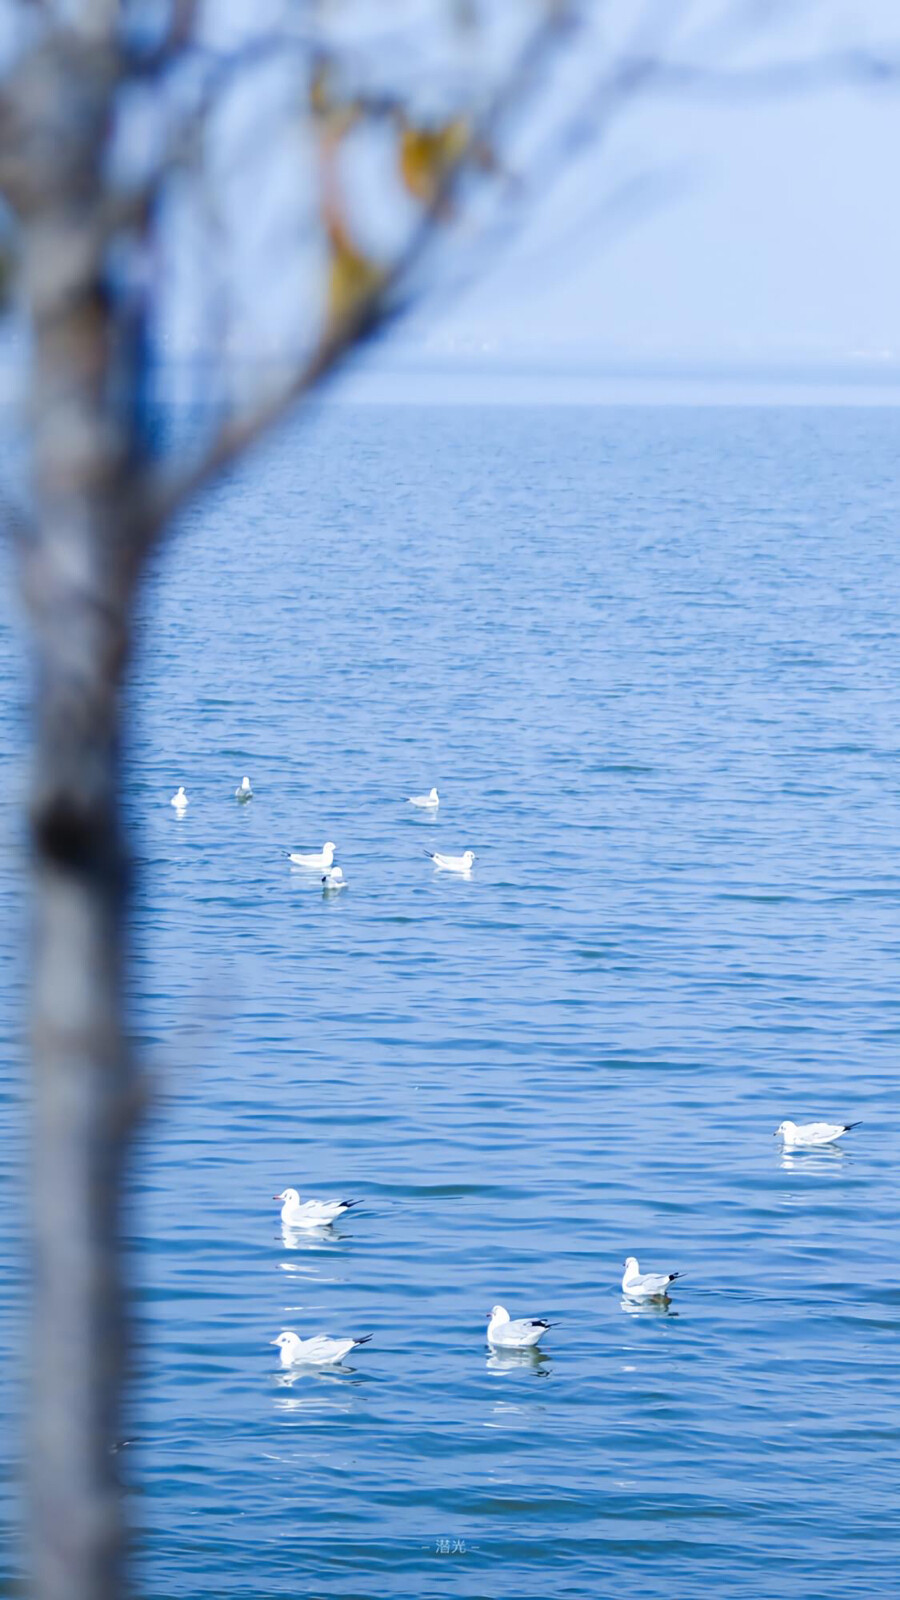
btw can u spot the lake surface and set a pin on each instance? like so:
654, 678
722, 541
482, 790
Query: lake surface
651, 659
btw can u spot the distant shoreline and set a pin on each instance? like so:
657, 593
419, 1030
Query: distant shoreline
409, 378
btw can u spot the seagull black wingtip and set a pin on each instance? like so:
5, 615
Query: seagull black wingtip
849, 1125
364, 1340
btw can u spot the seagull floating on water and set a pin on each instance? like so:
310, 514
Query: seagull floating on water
334, 879
461, 863
243, 790
319, 1351
507, 1335
317, 861
808, 1134
180, 800
640, 1285
311, 1213
428, 801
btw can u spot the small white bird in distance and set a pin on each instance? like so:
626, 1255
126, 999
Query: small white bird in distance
461, 863
640, 1285
428, 802
319, 1351
507, 1335
808, 1134
334, 879
180, 800
243, 790
311, 1213
316, 861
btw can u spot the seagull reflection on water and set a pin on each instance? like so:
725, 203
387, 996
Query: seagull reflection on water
824, 1158
305, 1269
531, 1359
310, 1238
330, 1390
658, 1305
335, 1373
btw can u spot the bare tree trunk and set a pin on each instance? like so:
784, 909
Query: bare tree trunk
83, 1093
78, 574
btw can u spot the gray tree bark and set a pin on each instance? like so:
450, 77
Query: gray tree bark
78, 568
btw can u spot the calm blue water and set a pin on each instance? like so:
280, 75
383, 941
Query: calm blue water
652, 661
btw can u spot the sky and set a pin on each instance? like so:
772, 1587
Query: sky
769, 233
783, 239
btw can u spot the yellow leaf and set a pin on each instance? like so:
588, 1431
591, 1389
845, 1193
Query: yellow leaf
353, 277
427, 156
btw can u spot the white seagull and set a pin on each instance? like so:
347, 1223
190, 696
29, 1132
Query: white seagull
319, 1351
640, 1285
519, 1335
428, 802
317, 861
811, 1133
180, 800
243, 790
311, 1213
334, 879
461, 863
